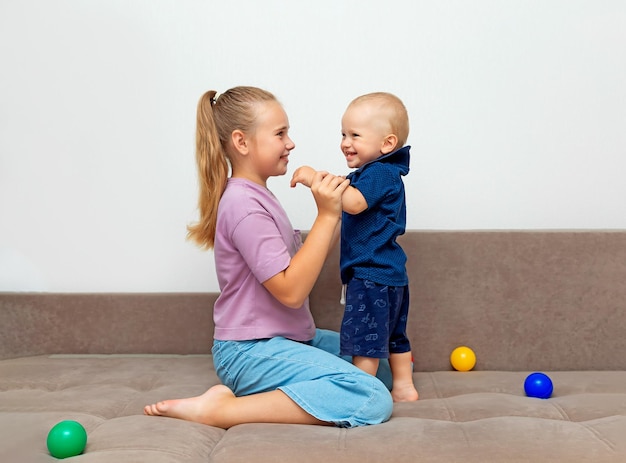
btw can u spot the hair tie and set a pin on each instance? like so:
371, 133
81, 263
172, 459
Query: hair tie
215, 97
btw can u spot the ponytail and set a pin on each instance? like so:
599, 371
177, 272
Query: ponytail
213, 169
217, 118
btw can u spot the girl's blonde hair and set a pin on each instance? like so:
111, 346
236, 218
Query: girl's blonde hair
217, 117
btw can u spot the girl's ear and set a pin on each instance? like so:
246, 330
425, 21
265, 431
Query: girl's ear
389, 144
240, 142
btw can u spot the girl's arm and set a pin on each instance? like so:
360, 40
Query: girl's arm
292, 286
352, 201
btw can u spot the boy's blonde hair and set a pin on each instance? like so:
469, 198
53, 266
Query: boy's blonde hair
217, 117
393, 108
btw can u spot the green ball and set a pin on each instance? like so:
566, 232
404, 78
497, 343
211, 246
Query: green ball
67, 439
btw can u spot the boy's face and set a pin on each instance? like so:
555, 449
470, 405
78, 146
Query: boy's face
363, 132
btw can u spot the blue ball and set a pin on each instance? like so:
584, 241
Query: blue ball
538, 385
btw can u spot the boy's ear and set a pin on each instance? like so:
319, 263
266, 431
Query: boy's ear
389, 144
240, 141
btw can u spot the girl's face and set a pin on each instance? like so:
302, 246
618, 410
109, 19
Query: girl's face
362, 134
270, 143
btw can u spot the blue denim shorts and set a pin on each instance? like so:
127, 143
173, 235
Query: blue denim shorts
311, 374
374, 321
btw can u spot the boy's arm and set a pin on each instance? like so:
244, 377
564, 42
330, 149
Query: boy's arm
353, 202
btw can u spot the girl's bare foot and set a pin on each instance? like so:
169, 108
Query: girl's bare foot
203, 409
404, 392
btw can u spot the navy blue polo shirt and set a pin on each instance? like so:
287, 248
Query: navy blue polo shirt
369, 250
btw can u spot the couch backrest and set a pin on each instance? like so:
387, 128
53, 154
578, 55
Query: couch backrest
105, 323
531, 300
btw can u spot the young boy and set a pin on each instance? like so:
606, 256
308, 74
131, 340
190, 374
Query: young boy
374, 130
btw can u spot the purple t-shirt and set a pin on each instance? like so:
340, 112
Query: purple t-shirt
254, 241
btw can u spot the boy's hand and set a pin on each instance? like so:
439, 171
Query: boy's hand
303, 175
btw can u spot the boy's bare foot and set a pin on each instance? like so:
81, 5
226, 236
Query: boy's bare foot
404, 393
201, 409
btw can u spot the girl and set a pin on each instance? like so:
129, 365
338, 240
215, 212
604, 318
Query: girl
274, 365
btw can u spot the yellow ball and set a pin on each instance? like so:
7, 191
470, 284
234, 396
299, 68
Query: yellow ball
463, 358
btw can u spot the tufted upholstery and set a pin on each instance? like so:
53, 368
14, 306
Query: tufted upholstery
524, 301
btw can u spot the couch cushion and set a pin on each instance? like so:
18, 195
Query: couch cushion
473, 416
106, 394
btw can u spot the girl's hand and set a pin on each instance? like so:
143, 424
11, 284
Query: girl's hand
303, 175
327, 190
293, 285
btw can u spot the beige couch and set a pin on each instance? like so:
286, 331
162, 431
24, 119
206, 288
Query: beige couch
524, 301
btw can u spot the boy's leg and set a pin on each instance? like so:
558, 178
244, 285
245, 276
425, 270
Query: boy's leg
400, 358
402, 369
367, 364
365, 325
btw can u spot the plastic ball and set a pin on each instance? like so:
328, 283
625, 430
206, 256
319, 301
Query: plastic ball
538, 385
463, 358
67, 439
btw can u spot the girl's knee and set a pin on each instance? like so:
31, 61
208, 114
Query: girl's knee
378, 407
384, 403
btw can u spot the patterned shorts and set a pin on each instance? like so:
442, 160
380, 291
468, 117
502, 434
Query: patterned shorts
374, 321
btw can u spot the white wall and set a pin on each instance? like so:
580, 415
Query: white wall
518, 116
